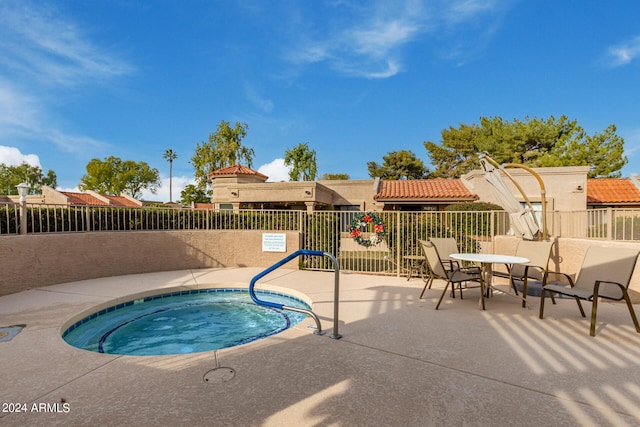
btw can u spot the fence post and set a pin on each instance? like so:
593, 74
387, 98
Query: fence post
23, 217
88, 218
398, 248
610, 224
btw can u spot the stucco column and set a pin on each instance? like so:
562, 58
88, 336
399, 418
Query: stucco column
236, 207
310, 206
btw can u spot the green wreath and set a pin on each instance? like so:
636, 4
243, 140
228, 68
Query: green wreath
367, 222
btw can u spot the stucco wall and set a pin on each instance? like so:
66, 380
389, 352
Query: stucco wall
565, 186
567, 254
33, 261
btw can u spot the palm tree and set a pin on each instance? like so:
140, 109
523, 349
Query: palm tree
170, 155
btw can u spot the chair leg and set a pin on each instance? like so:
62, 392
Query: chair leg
580, 305
424, 289
542, 296
633, 313
426, 285
594, 309
444, 291
524, 292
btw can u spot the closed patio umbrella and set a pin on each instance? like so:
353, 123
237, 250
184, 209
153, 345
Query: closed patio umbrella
523, 222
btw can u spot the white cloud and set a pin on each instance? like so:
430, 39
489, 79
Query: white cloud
275, 170
11, 156
266, 105
624, 53
45, 56
378, 39
42, 45
17, 110
370, 41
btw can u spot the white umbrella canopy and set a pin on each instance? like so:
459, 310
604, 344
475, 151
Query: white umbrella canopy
523, 222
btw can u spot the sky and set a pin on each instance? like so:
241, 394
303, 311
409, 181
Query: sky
355, 80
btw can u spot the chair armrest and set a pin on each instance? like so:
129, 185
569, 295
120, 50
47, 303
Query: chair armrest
470, 270
596, 289
556, 278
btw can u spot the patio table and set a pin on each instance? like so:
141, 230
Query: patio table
486, 261
415, 263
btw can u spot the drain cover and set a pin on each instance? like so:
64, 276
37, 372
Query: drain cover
219, 375
8, 332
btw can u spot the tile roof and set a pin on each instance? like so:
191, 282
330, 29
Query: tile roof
439, 188
236, 170
203, 205
122, 201
83, 199
88, 199
612, 191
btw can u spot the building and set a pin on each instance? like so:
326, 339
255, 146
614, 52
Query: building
565, 188
50, 196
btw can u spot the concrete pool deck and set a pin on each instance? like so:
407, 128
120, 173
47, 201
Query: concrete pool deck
399, 362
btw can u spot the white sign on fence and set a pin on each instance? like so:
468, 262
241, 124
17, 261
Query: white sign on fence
274, 242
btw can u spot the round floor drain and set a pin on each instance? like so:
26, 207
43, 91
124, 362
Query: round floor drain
219, 375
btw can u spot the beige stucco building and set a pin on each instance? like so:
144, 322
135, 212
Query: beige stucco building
238, 187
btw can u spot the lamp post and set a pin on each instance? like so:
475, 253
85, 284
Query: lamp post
23, 190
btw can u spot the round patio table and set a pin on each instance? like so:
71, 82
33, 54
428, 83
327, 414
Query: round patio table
486, 261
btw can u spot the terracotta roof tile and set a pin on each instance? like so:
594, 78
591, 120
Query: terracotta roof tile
122, 201
83, 199
611, 191
236, 170
439, 188
88, 199
203, 205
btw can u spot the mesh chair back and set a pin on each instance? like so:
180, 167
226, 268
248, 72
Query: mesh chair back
445, 245
607, 264
538, 254
433, 259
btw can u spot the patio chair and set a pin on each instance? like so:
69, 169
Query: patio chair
605, 273
538, 254
446, 246
437, 269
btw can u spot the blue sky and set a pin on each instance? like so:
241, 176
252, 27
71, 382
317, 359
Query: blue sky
92, 79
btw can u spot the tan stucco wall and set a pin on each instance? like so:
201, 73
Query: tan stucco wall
566, 187
33, 261
325, 192
567, 254
355, 193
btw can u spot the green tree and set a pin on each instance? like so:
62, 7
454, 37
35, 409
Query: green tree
170, 155
113, 176
224, 148
401, 164
532, 142
335, 176
10, 176
192, 194
302, 161
603, 152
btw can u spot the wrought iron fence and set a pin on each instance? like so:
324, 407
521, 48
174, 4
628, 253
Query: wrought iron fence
325, 230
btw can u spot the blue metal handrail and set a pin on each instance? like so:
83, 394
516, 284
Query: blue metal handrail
311, 314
